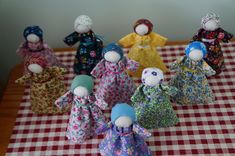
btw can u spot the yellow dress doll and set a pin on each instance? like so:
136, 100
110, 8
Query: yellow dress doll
142, 43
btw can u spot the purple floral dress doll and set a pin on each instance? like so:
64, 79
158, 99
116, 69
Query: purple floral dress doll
86, 114
211, 35
115, 84
124, 137
34, 45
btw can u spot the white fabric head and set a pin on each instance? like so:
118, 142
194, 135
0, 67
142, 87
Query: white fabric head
141, 29
196, 55
210, 22
82, 24
35, 68
81, 91
152, 76
123, 121
33, 38
112, 56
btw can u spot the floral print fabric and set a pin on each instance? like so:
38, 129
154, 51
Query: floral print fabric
124, 141
85, 116
88, 53
212, 40
152, 106
191, 82
115, 84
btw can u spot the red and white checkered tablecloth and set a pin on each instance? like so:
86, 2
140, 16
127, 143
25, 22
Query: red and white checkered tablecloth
203, 129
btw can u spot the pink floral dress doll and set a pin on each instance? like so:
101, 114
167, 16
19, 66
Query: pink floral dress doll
115, 84
34, 45
86, 114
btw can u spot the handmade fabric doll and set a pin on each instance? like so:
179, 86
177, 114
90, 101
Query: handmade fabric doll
143, 44
115, 84
151, 101
124, 137
211, 35
45, 85
86, 114
191, 74
90, 47
34, 45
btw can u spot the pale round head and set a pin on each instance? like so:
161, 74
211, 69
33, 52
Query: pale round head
112, 56
123, 121
83, 24
152, 81
35, 68
141, 29
82, 28
196, 55
81, 91
211, 25
33, 38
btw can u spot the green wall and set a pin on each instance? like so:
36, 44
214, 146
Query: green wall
175, 19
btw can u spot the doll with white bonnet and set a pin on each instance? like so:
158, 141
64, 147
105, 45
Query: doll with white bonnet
115, 84
211, 34
35, 45
86, 114
124, 137
90, 47
46, 85
191, 76
151, 101
142, 43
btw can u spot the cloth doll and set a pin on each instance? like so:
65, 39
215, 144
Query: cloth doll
34, 45
46, 85
124, 137
115, 84
142, 44
190, 80
90, 47
212, 35
151, 101
86, 114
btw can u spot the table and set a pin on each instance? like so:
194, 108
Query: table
203, 129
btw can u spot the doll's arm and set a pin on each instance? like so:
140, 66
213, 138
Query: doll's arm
138, 96
100, 103
157, 40
99, 69
24, 79
207, 69
131, 64
127, 41
64, 100
169, 90
224, 36
72, 38
103, 128
141, 131
197, 36
22, 51
175, 66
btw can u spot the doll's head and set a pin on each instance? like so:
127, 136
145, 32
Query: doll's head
82, 85
112, 53
152, 77
33, 34
143, 27
35, 64
196, 51
123, 115
82, 24
210, 22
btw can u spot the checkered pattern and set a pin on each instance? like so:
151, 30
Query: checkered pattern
203, 129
